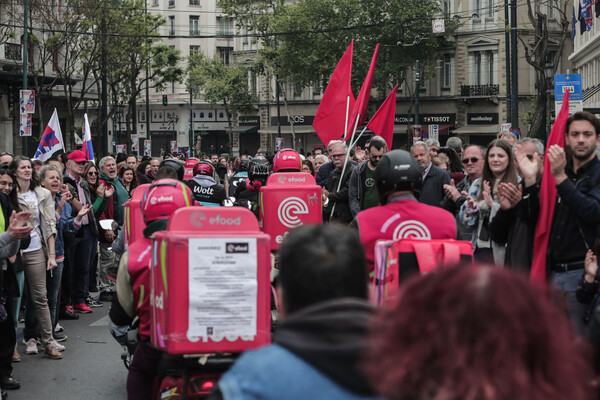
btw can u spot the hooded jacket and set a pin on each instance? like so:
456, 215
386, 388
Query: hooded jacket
206, 190
316, 355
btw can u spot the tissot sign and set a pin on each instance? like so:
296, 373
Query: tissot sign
426, 119
482, 118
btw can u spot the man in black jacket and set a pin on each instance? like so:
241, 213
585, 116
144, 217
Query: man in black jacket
577, 209
362, 193
337, 204
434, 178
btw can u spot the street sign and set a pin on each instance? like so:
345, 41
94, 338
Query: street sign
439, 26
434, 132
148, 147
27, 102
572, 83
25, 125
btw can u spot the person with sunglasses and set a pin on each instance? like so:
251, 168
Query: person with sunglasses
362, 193
454, 199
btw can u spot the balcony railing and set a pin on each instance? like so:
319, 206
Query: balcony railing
479, 90
12, 51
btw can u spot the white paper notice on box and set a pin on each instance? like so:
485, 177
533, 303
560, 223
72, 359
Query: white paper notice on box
223, 287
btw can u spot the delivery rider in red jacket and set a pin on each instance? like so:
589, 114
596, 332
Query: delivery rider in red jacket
400, 215
161, 200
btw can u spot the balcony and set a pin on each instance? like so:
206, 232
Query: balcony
479, 90
12, 51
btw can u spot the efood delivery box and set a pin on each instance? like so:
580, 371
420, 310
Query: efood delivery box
134, 222
210, 282
289, 200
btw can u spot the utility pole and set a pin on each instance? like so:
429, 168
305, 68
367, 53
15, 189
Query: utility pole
25, 53
507, 45
278, 107
191, 140
104, 88
514, 61
417, 89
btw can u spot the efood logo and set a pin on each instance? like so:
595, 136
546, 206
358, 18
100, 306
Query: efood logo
289, 209
197, 218
283, 179
218, 220
233, 248
161, 199
412, 229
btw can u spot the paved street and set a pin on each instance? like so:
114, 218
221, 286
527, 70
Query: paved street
91, 368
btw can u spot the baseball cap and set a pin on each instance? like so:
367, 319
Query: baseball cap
77, 156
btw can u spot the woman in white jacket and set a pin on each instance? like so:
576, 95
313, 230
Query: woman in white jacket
41, 254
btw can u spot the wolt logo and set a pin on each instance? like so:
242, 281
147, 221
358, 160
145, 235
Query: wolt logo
289, 209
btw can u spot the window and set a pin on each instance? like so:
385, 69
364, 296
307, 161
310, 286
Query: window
446, 71
225, 54
478, 68
155, 3
194, 25
253, 86
224, 24
171, 3
194, 50
447, 8
490, 8
194, 2
490, 61
316, 87
171, 25
297, 90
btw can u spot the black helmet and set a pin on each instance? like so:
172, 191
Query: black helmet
259, 168
176, 165
244, 164
397, 170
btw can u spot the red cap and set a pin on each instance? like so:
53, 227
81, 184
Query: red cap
77, 156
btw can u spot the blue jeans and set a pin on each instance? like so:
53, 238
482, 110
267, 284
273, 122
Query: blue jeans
84, 253
566, 283
17, 300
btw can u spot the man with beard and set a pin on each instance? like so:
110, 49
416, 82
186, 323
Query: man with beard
362, 193
577, 209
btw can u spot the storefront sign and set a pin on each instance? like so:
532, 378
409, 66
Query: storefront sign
482, 118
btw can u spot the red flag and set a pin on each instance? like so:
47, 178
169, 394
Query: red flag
382, 123
362, 101
547, 199
337, 101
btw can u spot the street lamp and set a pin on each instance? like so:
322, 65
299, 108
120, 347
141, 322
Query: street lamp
548, 70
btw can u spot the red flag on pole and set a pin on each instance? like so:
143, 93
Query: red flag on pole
362, 101
547, 199
338, 100
382, 123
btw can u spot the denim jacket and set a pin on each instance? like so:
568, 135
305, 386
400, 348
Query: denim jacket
65, 225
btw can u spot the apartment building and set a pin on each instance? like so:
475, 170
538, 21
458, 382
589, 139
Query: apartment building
586, 61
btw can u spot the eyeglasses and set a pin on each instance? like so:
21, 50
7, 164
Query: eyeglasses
92, 173
81, 162
6, 153
472, 159
338, 155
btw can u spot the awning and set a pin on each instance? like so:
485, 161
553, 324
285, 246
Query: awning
478, 129
288, 129
245, 129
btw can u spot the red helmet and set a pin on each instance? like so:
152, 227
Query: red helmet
163, 197
287, 160
204, 168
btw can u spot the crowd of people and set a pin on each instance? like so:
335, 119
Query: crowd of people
474, 332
